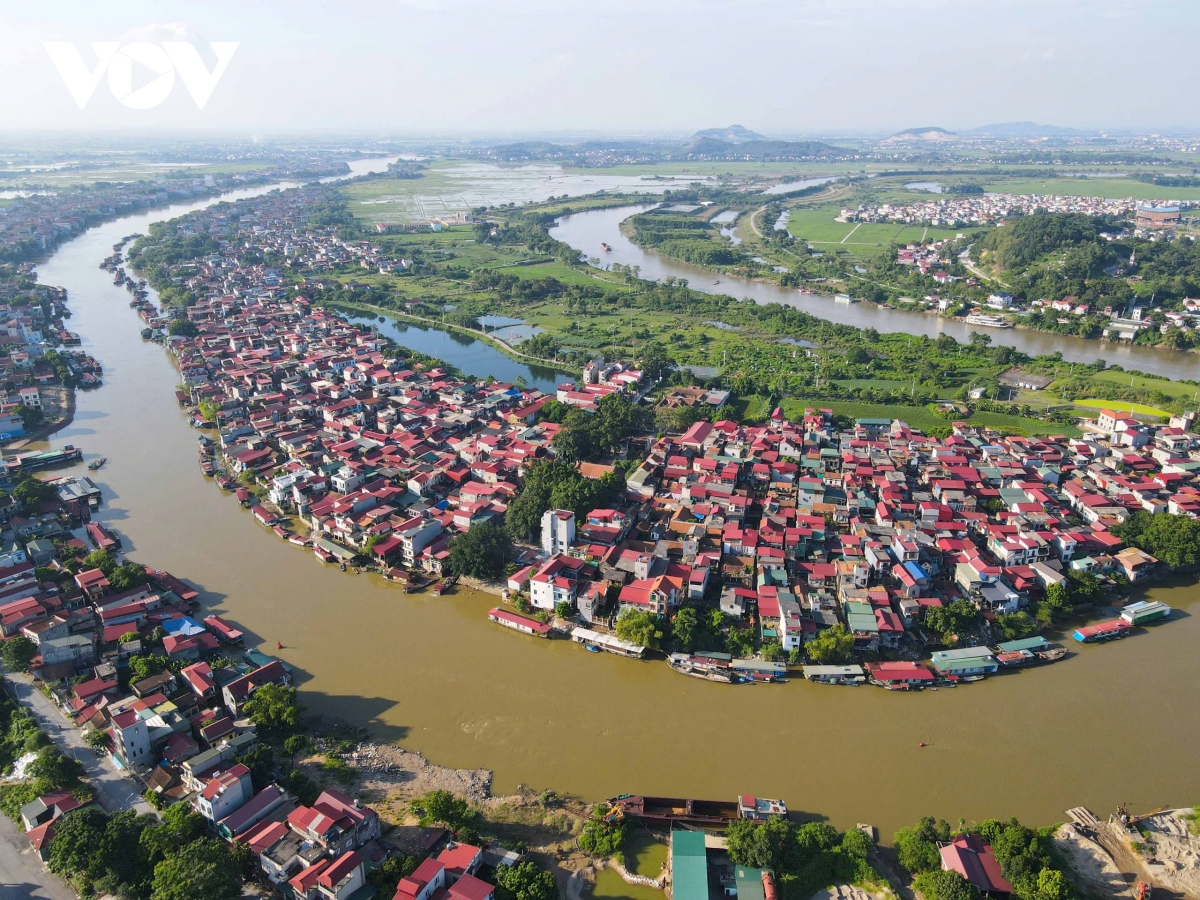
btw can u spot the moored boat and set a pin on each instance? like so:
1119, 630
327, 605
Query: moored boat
97, 463
1112, 630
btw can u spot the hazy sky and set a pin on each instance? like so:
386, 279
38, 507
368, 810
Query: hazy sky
487, 67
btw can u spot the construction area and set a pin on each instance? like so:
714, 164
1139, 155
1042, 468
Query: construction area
1155, 854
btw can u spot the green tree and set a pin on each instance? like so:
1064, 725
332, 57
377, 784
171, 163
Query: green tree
917, 846
482, 552
1173, 539
274, 709
563, 609
98, 739
18, 652
525, 881
294, 745
640, 627
74, 850
183, 328
53, 770
831, 646
260, 760
602, 839
941, 885
386, 876
443, 808
764, 845
203, 868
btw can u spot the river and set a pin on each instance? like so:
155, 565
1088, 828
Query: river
1111, 723
587, 230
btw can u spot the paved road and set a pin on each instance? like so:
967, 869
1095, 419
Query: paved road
114, 790
22, 876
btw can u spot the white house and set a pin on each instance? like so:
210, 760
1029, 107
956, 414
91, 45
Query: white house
558, 531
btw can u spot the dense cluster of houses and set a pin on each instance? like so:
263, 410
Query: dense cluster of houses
794, 525
183, 731
963, 210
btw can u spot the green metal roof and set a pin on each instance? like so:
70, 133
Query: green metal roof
749, 883
689, 866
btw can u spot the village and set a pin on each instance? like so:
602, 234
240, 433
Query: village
923, 562
964, 210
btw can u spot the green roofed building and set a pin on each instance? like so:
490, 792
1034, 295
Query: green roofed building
689, 866
749, 883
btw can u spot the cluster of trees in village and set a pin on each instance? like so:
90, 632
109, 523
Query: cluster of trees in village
1026, 856
1172, 539
143, 857
804, 858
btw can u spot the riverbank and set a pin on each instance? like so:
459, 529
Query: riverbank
58, 406
586, 231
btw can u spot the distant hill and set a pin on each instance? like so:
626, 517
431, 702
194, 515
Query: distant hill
734, 134
924, 133
710, 148
1021, 129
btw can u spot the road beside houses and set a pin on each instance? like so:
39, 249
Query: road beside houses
114, 791
22, 876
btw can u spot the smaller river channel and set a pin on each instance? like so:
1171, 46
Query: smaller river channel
586, 231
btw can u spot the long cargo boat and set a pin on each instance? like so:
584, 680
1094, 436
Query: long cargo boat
28, 461
670, 811
1027, 652
1112, 630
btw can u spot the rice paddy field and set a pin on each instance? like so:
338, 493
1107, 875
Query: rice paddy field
818, 227
1121, 406
1113, 188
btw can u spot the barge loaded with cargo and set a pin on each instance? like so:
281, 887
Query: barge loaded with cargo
672, 811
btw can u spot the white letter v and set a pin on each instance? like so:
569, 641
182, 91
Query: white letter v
80, 82
198, 80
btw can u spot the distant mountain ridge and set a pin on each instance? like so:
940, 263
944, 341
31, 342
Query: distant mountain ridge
1022, 129
734, 134
710, 148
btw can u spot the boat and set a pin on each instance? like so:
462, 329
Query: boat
97, 463
843, 298
1112, 630
718, 281
518, 622
605, 247
1051, 654
592, 648
147, 333
988, 321
700, 667
671, 811
442, 586
1145, 611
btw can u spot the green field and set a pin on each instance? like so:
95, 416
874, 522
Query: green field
1174, 389
817, 227
1115, 188
920, 418
1136, 409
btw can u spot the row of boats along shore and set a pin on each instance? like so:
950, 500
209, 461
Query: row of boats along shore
945, 669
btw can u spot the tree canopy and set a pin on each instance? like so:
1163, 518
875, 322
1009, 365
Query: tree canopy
274, 709
831, 646
640, 627
1173, 540
481, 552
